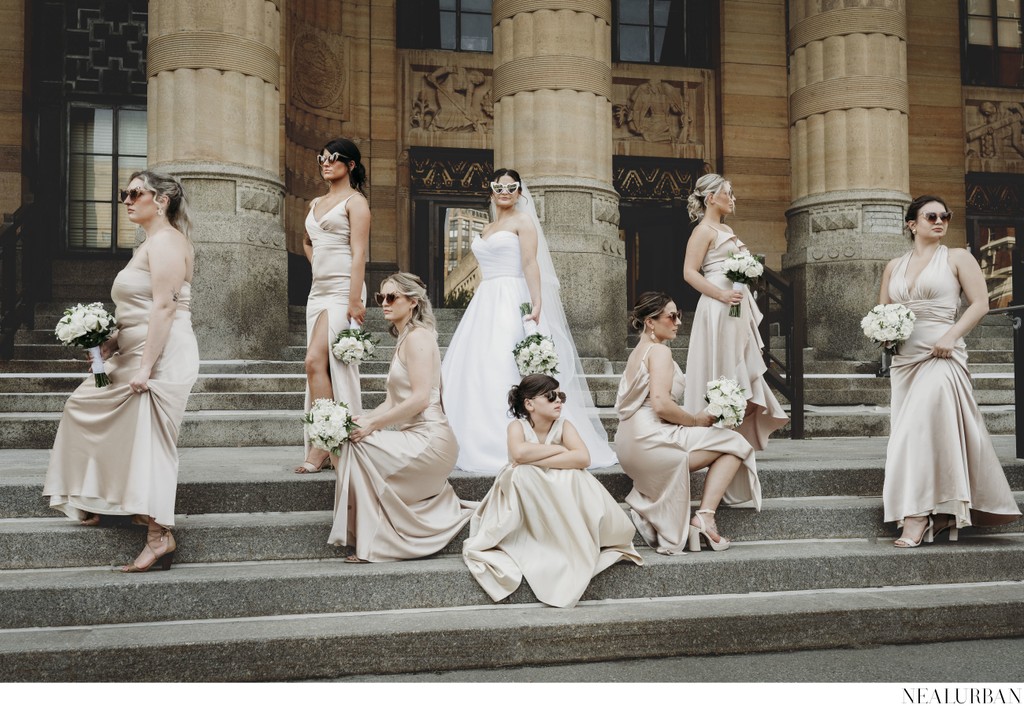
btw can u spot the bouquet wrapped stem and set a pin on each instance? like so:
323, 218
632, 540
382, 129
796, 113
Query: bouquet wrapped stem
535, 354
742, 269
734, 309
88, 326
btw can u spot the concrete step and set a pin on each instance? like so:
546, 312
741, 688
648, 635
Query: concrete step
93, 596
241, 428
218, 538
403, 641
857, 389
260, 479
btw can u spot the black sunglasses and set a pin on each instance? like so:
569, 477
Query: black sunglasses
931, 217
553, 396
388, 298
134, 193
677, 316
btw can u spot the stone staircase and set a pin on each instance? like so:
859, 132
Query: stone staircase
257, 594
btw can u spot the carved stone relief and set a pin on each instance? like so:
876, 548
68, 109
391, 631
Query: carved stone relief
452, 99
657, 112
995, 135
318, 73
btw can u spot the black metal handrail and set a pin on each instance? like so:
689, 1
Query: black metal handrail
777, 300
1018, 350
17, 277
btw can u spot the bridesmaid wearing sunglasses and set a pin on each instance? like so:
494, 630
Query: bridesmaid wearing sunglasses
393, 500
545, 518
336, 244
941, 471
660, 444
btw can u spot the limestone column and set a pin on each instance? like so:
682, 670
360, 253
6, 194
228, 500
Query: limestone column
848, 105
214, 121
553, 124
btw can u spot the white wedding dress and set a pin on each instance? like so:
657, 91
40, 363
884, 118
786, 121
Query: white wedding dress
479, 368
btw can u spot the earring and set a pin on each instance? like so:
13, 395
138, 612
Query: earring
160, 211
653, 338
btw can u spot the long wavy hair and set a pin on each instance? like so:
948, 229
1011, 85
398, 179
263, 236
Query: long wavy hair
410, 285
162, 185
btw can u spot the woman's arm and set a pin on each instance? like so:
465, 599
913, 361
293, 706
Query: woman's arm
696, 249
167, 260
972, 282
575, 455
359, 240
659, 364
531, 269
883, 290
307, 242
527, 453
420, 350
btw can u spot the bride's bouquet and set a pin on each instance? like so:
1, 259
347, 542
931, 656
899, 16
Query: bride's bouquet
328, 424
888, 325
535, 354
88, 326
727, 401
742, 269
353, 345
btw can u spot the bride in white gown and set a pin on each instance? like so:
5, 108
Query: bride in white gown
479, 367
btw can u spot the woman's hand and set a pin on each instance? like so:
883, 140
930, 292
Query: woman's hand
703, 420
730, 297
367, 426
356, 310
534, 314
109, 348
943, 349
140, 382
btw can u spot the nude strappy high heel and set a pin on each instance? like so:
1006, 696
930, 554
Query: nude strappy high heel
701, 529
162, 560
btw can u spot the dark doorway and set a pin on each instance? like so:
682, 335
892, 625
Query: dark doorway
656, 238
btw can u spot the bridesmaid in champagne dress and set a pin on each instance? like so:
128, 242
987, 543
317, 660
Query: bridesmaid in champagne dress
546, 517
659, 444
941, 471
721, 345
393, 500
337, 239
116, 448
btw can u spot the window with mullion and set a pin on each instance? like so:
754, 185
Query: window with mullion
457, 25
666, 32
105, 146
993, 53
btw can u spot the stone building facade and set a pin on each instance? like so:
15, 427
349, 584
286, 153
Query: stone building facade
827, 115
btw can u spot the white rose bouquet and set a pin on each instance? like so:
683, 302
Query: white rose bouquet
742, 269
727, 401
888, 325
535, 354
353, 345
88, 326
328, 424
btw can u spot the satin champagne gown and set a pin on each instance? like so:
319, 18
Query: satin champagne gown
116, 451
393, 500
479, 367
940, 459
557, 528
721, 345
655, 455
332, 273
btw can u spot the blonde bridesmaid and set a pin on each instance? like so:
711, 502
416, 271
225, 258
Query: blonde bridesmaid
393, 500
337, 243
721, 345
659, 444
116, 448
941, 471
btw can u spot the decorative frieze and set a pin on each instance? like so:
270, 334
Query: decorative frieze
998, 198
441, 172
995, 134
319, 73
645, 180
452, 99
663, 115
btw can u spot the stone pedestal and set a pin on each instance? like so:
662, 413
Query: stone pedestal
849, 134
214, 122
553, 124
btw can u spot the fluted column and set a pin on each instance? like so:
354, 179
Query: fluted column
214, 121
848, 104
553, 123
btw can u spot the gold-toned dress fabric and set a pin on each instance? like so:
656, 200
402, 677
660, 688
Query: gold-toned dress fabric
721, 345
940, 459
116, 451
655, 455
332, 275
393, 500
558, 528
